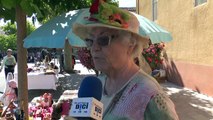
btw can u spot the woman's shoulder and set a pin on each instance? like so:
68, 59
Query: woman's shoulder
13, 56
145, 82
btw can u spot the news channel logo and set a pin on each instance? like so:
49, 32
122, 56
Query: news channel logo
81, 107
98, 111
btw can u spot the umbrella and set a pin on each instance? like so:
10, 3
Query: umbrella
154, 31
54, 33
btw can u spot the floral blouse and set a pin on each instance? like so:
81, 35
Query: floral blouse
142, 98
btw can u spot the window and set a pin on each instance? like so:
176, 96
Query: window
154, 9
198, 2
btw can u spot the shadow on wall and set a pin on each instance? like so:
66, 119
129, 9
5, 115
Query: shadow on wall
171, 71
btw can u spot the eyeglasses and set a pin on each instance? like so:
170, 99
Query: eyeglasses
102, 41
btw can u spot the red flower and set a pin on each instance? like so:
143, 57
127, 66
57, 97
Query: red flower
117, 18
149, 59
94, 7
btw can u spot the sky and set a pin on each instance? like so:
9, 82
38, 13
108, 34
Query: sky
122, 3
127, 3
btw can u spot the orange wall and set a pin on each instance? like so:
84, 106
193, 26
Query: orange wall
191, 49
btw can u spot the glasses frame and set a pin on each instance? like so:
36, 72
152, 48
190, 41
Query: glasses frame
101, 41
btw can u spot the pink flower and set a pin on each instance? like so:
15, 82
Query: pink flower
152, 54
153, 51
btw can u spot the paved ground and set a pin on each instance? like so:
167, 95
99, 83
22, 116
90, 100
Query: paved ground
190, 105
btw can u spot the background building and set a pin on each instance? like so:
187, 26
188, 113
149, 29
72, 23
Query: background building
190, 55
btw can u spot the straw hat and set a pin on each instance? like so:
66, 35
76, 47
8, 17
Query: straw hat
102, 14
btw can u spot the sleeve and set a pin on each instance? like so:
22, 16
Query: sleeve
14, 60
160, 107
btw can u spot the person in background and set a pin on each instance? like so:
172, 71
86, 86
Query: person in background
46, 61
61, 62
129, 93
54, 67
9, 63
73, 61
11, 90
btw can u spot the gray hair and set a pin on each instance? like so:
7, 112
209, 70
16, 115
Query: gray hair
132, 40
137, 50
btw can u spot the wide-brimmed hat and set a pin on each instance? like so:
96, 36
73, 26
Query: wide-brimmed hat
106, 15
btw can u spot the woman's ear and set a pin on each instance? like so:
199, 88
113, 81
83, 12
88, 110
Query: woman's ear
131, 48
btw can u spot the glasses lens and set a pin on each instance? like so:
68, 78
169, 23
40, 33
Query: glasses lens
89, 42
103, 40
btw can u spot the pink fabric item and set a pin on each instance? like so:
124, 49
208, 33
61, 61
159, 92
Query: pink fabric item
65, 108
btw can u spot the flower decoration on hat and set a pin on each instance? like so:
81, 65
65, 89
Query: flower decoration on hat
109, 14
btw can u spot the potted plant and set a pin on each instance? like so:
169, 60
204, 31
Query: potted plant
154, 57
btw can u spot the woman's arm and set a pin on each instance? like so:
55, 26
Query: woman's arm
14, 60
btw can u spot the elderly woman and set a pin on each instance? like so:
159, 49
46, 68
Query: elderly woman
128, 92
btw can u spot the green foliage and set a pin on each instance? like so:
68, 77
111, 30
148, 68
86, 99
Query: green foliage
9, 28
28, 7
49, 8
9, 3
9, 39
30, 28
7, 14
44, 9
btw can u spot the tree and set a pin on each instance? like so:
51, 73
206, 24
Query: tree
17, 10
